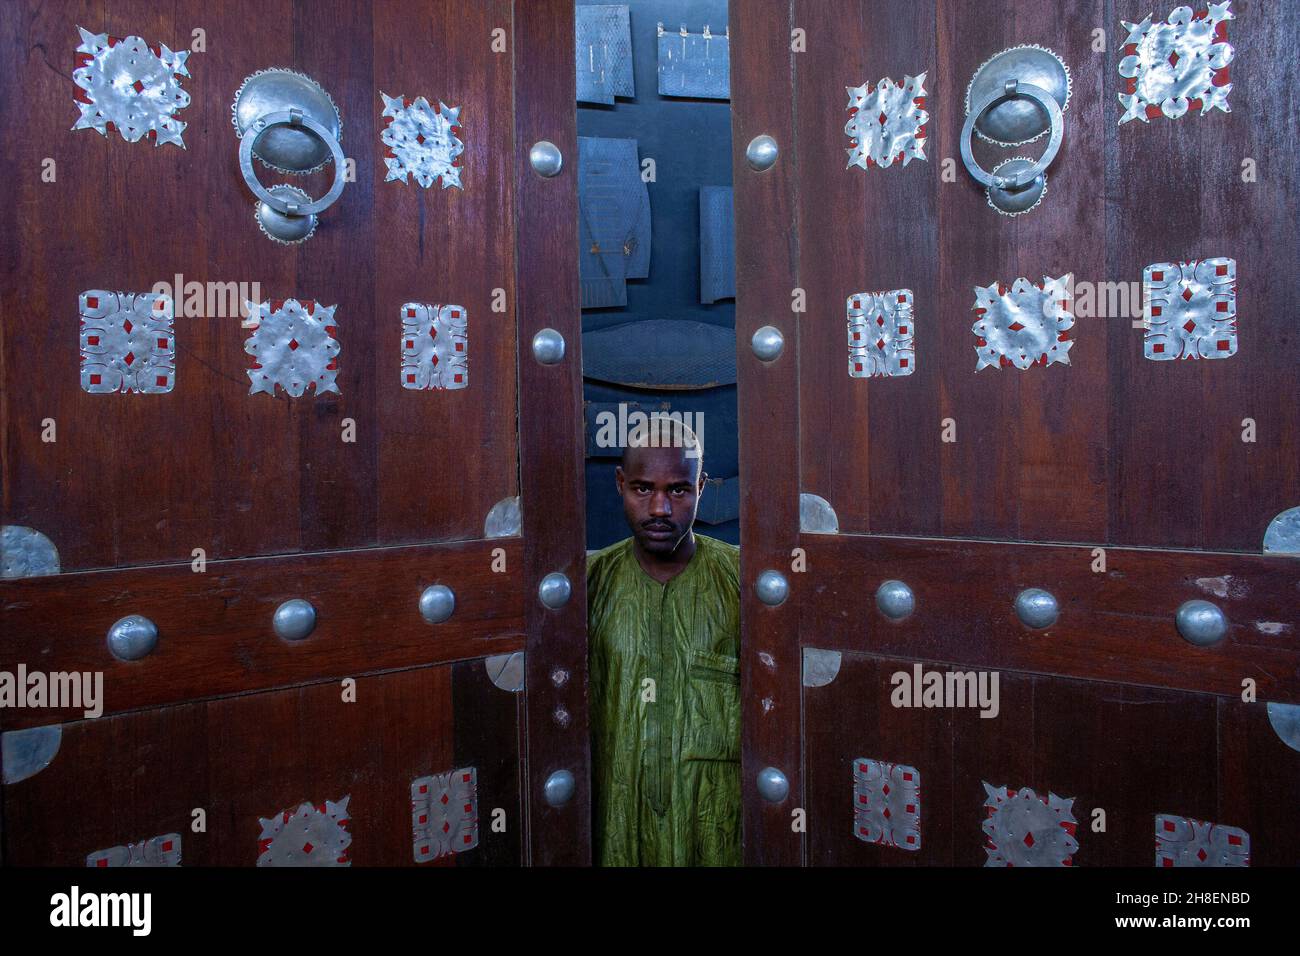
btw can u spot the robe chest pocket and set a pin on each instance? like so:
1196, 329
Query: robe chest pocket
712, 708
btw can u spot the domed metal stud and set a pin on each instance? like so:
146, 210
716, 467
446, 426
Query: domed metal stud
1201, 622
282, 226
1036, 608
554, 590
133, 637
290, 149
546, 158
772, 785
772, 588
768, 343
895, 600
559, 788
1017, 120
548, 346
761, 153
294, 620
1015, 202
437, 601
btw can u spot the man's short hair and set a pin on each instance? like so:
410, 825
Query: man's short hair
665, 430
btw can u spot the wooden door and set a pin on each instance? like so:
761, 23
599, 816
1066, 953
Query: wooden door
194, 498
1122, 484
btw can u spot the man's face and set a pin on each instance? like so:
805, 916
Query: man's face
660, 496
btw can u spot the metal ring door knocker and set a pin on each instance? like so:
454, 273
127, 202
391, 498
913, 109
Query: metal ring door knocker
1014, 98
291, 124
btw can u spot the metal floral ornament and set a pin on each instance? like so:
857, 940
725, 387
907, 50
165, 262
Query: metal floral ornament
422, 141
886, 123
1023, 325
1177, 65
294, 346
127, 85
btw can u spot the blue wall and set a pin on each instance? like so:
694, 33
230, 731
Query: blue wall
690, 142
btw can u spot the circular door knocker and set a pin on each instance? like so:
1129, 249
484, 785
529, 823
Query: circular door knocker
1015, 98
290, 124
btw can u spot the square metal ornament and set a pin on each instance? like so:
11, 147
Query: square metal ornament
1185, 842
127, 342
444, 814
162, 850
881, 332
887, 803
1190, 309
435, 346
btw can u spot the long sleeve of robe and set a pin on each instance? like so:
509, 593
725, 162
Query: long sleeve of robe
665, 708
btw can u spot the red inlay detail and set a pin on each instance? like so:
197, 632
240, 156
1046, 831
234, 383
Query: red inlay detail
1224, 345
424, 850
1202, 855
410, 313
459, 377
423, 818
880, 343
880, 321
138, 86
1155, 310
1157, 276
1158, 349
92, 339
1189, 325
293, 345
1173, 58
307, 848
981, 343
446, 827
1187, 295
161, 381
130, 357
1015, 326
857, 336
127, 326
857, 367
411, 379
902, 330
1029, 839
460, 346
1234, 840
101, 862
1221, 270
92, 302
1220, 77
162, 343
1221, 306
1153, 111
410, 343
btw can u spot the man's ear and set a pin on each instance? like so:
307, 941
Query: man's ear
618, 478
704, 476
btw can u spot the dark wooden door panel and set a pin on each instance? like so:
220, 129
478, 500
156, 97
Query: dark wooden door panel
1182, 755
127, 779
1119, 483
212, 466
205, 507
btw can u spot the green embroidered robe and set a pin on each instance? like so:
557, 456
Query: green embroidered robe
665, 755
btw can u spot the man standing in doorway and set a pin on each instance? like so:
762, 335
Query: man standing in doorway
663, 622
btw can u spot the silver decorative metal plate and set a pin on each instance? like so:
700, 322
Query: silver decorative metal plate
422, 142
1191, 309
162, 850
294, 346
886, 123
25, 753
1183, 841
887, 803
1023, 325
1175, 66
435, 346
1283, 533
127, 342
127, 85
1024, 829
694, 64
309, 836
604, 53
26, 553
444, 814
820, 666
881, 334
